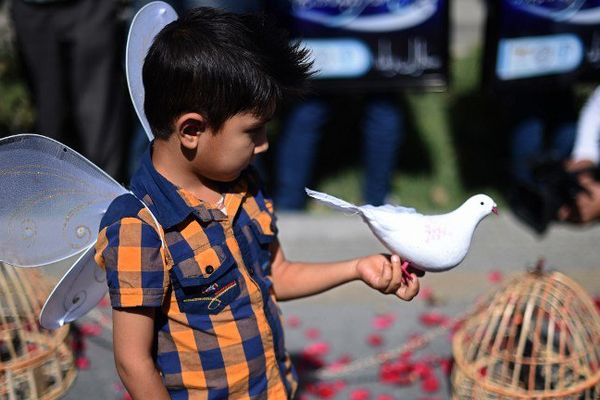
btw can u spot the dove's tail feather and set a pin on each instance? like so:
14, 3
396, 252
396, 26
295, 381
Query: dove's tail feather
332, 201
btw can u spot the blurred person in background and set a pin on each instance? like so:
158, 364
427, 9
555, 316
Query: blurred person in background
584, 162
382, 134
71, 56
542, 127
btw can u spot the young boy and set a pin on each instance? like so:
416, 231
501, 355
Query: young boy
194, 284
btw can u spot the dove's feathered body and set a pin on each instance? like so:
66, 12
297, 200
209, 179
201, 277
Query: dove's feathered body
429, 242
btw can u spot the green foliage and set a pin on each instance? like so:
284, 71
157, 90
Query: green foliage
16, 113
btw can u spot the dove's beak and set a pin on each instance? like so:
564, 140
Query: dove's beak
495, 210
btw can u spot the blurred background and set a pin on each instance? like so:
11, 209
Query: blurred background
416, 102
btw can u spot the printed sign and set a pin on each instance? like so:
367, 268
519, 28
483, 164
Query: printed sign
535, 41
371, 44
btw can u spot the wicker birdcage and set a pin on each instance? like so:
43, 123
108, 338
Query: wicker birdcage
536, 338
34, 363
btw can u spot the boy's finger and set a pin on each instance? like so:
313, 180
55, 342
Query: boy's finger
396, 279
409, 291
385, 276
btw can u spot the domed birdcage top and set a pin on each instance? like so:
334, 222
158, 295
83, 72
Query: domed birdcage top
538, 337
34, 363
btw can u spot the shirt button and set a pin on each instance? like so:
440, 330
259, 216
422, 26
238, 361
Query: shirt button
209, 270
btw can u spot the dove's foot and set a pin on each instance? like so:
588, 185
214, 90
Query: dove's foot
405, 274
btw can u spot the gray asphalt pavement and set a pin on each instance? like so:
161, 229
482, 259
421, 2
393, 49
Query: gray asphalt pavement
342, 322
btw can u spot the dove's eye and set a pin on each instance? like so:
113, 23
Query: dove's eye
481, 203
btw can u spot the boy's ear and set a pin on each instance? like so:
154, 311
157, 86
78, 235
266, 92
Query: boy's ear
189, 127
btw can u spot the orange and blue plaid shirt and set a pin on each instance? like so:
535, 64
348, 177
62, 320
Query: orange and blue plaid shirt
219, 333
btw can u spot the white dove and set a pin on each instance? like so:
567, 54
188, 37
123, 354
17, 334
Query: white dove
431, 243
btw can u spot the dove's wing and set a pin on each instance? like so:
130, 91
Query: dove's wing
80, 289
51, 202
148, 21
333, 201
388, 208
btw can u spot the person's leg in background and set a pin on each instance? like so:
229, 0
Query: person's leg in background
383, 133
98, 89
527, 141
39, 31
297, 150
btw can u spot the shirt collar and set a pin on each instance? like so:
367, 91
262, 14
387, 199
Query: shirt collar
173, 204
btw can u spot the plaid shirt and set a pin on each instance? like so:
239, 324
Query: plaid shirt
219, 334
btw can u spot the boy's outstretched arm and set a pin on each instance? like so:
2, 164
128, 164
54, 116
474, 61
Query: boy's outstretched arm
133, 336
292, 280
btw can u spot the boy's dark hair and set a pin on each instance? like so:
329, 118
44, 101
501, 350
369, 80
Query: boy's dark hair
219, 64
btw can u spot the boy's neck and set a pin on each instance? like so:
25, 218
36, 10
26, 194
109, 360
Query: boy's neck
169, 161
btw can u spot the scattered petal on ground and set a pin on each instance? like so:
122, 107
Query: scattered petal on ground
375, 340
360, 394
82, 363
104, 303
383, 321
433, 318
90, 329
430, 384
323, 390
495, 277
422, 369
312, 333
316, 349
293, 321
397, 372
340, 362
446, 366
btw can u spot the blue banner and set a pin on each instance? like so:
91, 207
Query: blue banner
371, 44
533, 41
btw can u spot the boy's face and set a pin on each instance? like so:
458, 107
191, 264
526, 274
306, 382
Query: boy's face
223, 155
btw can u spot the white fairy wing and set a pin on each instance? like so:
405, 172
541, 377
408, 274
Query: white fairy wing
80, 290
51, 202
146, 24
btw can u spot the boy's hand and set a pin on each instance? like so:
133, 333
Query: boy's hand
384, 273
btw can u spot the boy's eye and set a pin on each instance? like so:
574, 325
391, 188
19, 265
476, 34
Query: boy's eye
256, 131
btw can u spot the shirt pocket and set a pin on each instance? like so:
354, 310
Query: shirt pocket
207, 282
264, 230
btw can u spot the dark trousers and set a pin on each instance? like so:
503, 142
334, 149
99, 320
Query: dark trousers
71, 52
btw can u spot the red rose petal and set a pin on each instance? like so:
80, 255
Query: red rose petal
597, 302
316, 349
495, 277
431, 319
104, 303
90, 329
340, 363
446, 366
375, 340
422, 370
383, 321
360, 394
430, 384
312, 333
82, 363
293, 321
397, 372
323, 390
